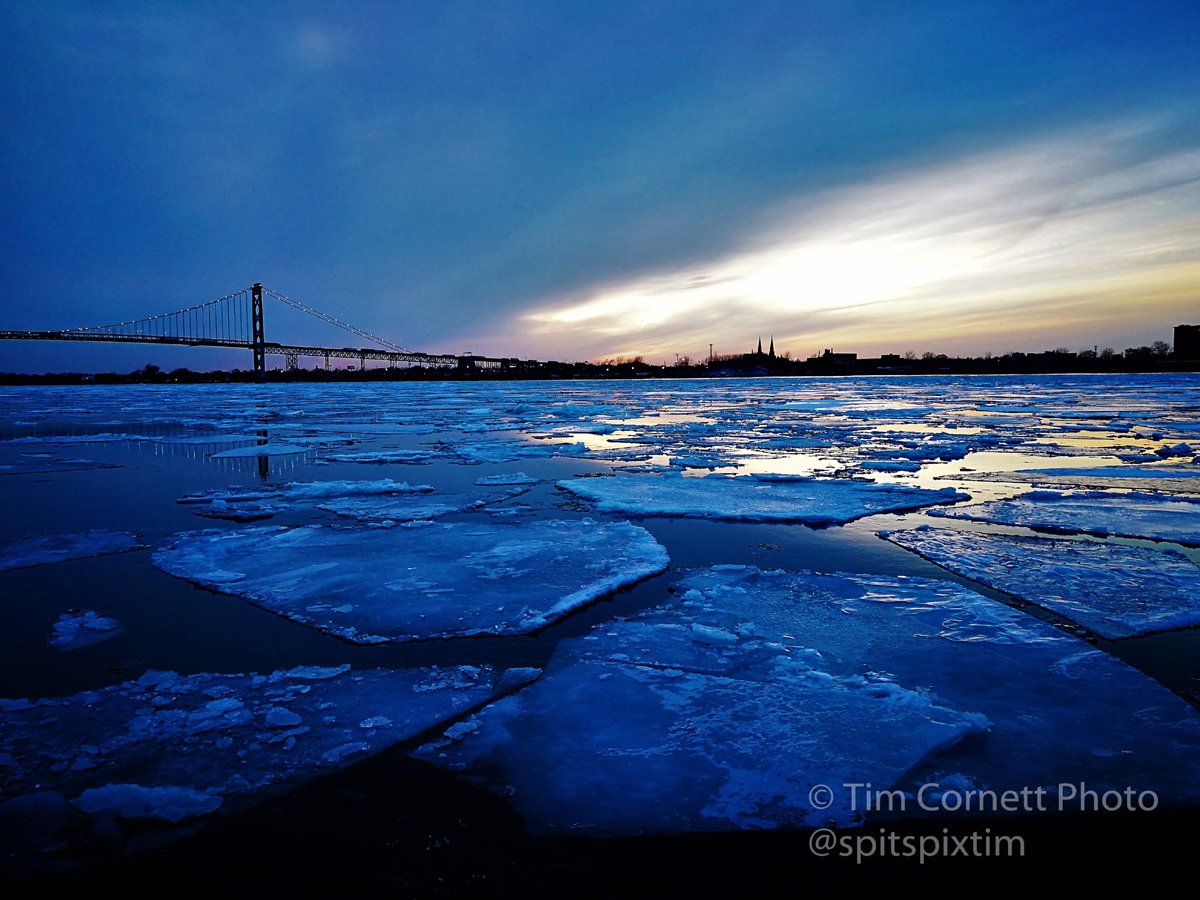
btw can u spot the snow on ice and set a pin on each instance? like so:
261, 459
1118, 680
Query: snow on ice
813, 501
723, 708
370, 585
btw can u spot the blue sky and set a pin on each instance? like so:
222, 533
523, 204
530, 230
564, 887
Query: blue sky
563, 180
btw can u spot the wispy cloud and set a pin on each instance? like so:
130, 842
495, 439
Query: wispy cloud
1082, 237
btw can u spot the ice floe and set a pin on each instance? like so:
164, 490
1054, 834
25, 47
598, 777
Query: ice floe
1115, 590
79, 628
499, 480
1142, 515
501, 451
40, 549
438, 580
245, 504
813, 501
399, 457
236, 512
724, 708
403, 508
171, 746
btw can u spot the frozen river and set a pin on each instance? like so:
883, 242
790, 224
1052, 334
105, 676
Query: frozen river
614, 609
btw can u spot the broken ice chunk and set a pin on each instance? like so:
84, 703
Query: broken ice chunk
514, 478
80, 628
639, 728
242, 512
40, 549
814, 501
1154, 516
282, 718
441, 580
399, 457
306, 492
399, 508
1115, 590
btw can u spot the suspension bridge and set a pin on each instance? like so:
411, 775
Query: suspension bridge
237, 321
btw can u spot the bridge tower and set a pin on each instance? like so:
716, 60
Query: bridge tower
259, 340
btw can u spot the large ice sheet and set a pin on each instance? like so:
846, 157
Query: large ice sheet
1115, 590
39, 549
166, 741
720, 710
814, 501
370, 585
1152, 516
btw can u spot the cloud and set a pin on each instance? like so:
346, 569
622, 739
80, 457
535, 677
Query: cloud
1078, 237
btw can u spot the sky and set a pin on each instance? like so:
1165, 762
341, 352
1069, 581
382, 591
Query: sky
585, 180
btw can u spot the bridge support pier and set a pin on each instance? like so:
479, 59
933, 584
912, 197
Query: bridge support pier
259, 341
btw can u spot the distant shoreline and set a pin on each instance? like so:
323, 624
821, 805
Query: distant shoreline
723, 369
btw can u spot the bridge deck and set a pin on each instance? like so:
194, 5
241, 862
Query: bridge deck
289, 351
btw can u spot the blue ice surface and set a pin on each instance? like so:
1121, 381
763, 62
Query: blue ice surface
158, 746
80, 628
813, 501
404, 507
1157, 517
306, 491
41, 549
372, 585
1115, 590
723, 708
512, 478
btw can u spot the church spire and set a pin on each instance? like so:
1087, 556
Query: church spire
772, 345
760, 345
